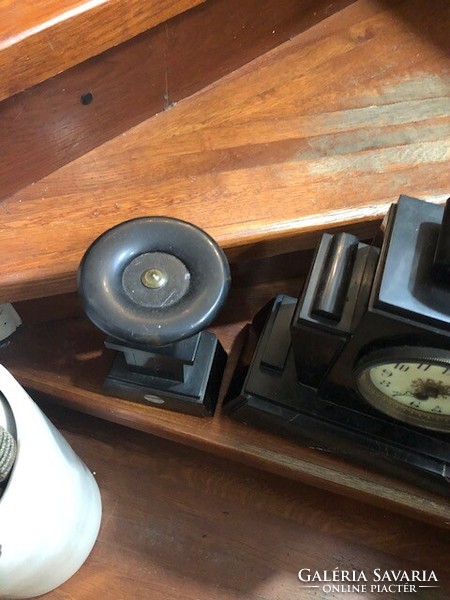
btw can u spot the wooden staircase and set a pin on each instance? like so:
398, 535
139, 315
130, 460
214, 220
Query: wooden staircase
263, 122
79, 105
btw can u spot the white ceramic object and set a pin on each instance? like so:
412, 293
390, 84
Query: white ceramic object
50, 511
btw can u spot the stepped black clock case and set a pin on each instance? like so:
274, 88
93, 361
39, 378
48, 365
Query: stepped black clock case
358, 300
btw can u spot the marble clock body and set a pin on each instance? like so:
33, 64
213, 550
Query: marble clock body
367, 315
394, 306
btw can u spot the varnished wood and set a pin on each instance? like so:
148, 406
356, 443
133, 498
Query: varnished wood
42, 38
178, 523
48, 126
295, 154
66, 360
324, 131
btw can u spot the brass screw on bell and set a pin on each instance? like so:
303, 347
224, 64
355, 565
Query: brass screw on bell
153, 278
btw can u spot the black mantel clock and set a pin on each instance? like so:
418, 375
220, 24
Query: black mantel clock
360, 364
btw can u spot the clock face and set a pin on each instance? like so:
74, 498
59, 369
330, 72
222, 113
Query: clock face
410, 384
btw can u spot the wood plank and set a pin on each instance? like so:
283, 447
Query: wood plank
325, 131
66, 360
42, 38
52, 124
178, 523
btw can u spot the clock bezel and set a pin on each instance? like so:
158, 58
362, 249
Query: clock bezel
387, 405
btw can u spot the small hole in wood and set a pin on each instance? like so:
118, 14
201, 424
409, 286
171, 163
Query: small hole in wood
86, 98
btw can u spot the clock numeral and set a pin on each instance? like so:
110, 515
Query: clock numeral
414, 404
436, 409
401, 367
424, 366
385, 383
445, 371
386, 373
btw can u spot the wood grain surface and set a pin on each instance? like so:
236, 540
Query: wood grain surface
179, 523
66, 360
42, 38
324, 131
66, 116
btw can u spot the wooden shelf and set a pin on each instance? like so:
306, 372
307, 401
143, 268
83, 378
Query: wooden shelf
42, 38
178, 523
65, 359
324, 131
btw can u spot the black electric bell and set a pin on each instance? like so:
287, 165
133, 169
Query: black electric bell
153, 284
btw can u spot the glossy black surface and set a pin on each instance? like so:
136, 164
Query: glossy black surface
194, 393
302, 377
406, 282
148, 316
334, 280
273, 398
441, 260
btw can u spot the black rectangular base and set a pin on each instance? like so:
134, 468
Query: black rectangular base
196, 395
267, 394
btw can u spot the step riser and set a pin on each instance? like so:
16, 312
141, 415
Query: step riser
320, 134
47, 126
40, 39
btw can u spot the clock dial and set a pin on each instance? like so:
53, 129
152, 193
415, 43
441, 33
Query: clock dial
409, 384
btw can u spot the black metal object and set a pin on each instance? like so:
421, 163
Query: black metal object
331, 292
153, 285
301, 379
441, 260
